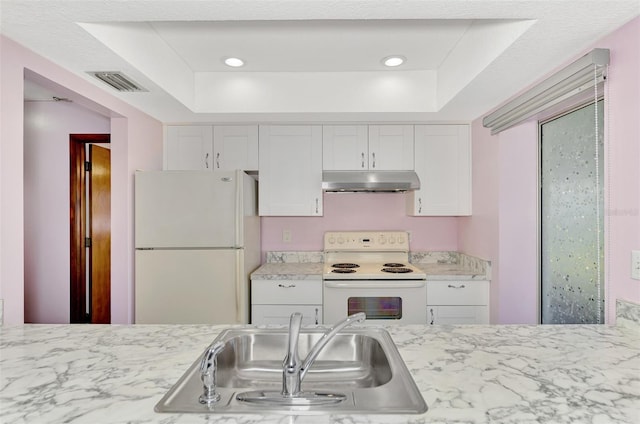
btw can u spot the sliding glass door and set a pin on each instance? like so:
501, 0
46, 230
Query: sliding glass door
572, 225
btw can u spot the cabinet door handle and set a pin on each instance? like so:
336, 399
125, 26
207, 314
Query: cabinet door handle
218, 160
432, 316
206, 161
317, 205
288, 286
373, 155
419, 204
362, 160
451, 286
317, 320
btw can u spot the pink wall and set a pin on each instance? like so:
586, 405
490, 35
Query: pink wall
504, 228
622, 170
478, 234
11, 199
136, 143
518, 225
47, 126
359, 211
143, 154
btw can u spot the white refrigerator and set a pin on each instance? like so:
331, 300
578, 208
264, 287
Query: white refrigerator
197, 238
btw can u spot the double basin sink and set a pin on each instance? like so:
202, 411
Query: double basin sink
361, 365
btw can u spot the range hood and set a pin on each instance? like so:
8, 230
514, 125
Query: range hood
370, 181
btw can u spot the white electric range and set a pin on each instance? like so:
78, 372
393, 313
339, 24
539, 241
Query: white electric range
369, 271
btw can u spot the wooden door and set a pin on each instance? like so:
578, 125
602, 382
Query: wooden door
100, 234
90, 302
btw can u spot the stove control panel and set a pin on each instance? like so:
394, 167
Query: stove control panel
366, 240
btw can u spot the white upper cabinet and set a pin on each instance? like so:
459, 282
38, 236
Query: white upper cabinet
290, 168
213, 148
391, 147
443, 164
235, 147
364, 147
345, 147
189, 147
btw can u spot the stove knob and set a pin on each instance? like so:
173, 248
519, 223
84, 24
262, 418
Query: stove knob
332, 240
382, 240
340, 240
401, 240
392, 240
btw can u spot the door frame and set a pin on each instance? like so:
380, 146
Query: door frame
78, 219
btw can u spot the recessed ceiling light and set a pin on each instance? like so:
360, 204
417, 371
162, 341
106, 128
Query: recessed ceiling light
234, 62
392, 61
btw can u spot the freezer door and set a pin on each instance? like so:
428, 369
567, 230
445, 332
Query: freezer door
175, 209
190, 287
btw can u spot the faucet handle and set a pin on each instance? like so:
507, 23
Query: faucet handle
208, 367
295, 322
291, 364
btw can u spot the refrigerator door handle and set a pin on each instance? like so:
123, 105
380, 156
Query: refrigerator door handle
239, 208
240, 289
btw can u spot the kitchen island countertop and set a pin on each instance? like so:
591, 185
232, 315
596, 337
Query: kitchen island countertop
467, 374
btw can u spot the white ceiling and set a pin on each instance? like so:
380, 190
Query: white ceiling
314, 60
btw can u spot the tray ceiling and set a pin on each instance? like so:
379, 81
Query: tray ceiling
315, 60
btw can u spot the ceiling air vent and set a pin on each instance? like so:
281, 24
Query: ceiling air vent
118, 80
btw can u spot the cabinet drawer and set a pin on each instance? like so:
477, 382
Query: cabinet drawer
286, 292
457, 315
457, 292
281, 314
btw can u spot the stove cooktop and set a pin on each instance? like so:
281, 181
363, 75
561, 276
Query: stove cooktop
368, 255
372, 271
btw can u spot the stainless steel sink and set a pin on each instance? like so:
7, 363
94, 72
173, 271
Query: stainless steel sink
363, 364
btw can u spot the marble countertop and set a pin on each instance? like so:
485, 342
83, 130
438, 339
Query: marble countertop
450, 272
467, 374
313, 271
437, 265
289, 271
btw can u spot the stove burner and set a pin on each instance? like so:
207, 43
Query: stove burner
394, 265
343, 270
397, 270
345, 265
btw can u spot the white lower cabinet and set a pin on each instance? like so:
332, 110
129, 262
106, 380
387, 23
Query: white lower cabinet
457, 314
273, 301
458, 302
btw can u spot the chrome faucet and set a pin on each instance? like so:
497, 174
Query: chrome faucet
208, 367
294, 370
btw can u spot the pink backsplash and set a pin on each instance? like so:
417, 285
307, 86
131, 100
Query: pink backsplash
360, 211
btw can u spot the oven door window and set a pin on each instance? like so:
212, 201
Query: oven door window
376, 307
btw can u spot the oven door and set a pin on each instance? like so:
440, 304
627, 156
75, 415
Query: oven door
383, 301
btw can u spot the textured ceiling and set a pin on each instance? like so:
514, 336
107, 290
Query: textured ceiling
315, 59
